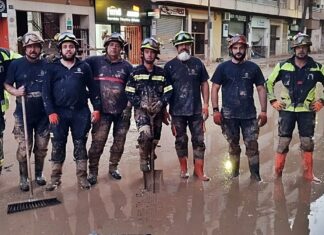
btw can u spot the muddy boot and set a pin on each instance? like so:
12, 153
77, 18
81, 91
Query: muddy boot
39, 165
308, 167
235, 161
144, 165
55, 176
280, 159
81, 172
93, 170
183, 167
199, 170
113, 163
254, 166
24, 182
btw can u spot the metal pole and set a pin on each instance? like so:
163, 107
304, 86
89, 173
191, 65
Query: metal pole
208, 34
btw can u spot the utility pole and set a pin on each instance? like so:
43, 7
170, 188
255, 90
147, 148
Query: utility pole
208, 34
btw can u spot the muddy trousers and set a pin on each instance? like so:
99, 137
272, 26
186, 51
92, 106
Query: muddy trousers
148, 138
306, 126
250, 131
100, 133
38, 138
179, 130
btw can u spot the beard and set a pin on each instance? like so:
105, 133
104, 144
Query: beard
239, 56
149, 61
69, 58
184, 55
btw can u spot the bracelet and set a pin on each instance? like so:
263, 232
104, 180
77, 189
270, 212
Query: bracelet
216, 109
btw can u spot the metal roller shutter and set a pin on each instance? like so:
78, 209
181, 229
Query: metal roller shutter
166, 28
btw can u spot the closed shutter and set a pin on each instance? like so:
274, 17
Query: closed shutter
166, 28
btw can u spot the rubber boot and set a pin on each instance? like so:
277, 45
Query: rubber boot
93, 170
113, 171
235, 160
308, 167
183, 168
24, 182
39, 165
280, 159
254, 166
199, 170
81, 172
55, 176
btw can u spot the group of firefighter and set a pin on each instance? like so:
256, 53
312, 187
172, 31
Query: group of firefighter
56, 93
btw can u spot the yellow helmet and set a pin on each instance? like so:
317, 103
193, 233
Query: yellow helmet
182, 37
151, 43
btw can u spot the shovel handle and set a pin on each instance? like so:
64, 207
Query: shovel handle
23, 104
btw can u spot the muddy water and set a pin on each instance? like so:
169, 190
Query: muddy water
221, 206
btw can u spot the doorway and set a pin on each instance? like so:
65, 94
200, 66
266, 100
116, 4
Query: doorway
198, 31
133, 37
273, 39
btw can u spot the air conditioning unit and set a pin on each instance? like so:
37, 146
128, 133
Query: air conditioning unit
227, 16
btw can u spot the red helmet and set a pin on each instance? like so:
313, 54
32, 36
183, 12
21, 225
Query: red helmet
237, 38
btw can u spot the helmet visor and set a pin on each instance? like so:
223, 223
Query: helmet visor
31, 38
152, 42
183, 36
66, 35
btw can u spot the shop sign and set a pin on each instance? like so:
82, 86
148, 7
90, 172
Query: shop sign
122, 15
3, 6
238, 17
260, 22
172, 11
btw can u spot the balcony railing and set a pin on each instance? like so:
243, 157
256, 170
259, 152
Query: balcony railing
283, 3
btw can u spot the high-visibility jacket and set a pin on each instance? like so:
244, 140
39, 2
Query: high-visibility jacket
6, 57
299, 84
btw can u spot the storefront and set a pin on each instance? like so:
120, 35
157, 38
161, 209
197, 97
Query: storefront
233, 23
132, 20
4, 42
259, 37
165, 28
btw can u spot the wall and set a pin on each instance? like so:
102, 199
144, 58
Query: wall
45, 6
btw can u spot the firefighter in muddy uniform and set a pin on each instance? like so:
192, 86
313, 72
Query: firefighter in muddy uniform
149, 91
237, 77
111, 73
28, 74
299, 76
66, 102
188, 77
6, 57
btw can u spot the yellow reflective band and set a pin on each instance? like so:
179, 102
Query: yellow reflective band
167, 88
288, 67
158, 78
130, 89
5, 56
141, 77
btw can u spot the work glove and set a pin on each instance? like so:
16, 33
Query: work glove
205, 112
218, 118
316, 105
166, 117
127, 113
156, 107
278, 105
53, 118
262, 119
95, 117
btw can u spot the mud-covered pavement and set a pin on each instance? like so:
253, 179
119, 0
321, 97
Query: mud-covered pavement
221, 206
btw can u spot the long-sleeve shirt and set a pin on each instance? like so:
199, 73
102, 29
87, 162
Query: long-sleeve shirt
149, 86
67, 88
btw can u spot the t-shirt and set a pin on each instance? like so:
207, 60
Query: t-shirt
186, 78
237, 82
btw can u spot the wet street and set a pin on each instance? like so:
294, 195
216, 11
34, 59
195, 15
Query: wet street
222, 206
